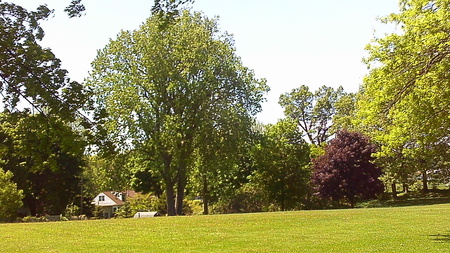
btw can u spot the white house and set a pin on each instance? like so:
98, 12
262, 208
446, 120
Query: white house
110, 202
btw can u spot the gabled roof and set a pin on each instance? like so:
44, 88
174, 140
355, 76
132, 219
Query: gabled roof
113, 197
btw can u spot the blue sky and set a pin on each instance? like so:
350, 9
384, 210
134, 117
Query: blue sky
288, 42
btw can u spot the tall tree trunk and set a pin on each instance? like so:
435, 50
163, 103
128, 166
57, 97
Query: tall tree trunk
186, 148
180, 189
179, 200
205, 196
424, 181
170, 200
170, 194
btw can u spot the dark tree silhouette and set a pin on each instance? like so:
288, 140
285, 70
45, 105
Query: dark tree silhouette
346, 170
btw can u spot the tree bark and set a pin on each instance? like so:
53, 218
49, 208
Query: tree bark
405, 187
205, 196
394, 190
180, 189
186, 147
170, 200
170, 195
424, 181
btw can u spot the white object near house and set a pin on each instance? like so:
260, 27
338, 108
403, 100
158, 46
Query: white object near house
146, 214
110, 202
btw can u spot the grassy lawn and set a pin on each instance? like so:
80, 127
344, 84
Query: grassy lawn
400, 229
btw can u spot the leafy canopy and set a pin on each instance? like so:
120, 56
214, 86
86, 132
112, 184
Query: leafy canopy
406, 96
405, 100
161, 89
282, 160
314, 111
30, 73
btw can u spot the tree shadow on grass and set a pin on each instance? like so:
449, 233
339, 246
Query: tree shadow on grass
419, 201
407, 201
432, 197
441, 238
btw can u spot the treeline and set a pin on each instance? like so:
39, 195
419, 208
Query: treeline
169, 110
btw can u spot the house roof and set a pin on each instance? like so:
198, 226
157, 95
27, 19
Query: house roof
113, 197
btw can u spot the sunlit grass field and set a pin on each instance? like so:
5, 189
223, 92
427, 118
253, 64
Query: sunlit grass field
400, 229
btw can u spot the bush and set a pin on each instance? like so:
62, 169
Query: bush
72, 210
98, 212
192, 207
10, 197
142, 203
34, 219
247, 199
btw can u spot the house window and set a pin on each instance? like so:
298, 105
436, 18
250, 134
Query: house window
101, 198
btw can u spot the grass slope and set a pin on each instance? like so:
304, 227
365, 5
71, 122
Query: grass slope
399, 229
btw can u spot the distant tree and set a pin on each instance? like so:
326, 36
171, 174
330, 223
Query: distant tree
345, 110
10, 196
312, 111
282, 161
346, 170
170, 8
75, 9
108, 173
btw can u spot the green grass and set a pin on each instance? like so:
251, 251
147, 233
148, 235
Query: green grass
401, 229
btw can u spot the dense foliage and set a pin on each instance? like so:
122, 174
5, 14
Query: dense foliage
41, 123
282, 161
314, 111
405, 100
46, 158
168, 91
346, 170
10, 196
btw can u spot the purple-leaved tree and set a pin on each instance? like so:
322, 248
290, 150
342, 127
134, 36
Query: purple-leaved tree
346, 170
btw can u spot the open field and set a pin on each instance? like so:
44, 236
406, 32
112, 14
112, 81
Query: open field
400, 229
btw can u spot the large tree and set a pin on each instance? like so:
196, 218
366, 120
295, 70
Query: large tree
161, 87
346, 170
312, 111
405, 101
